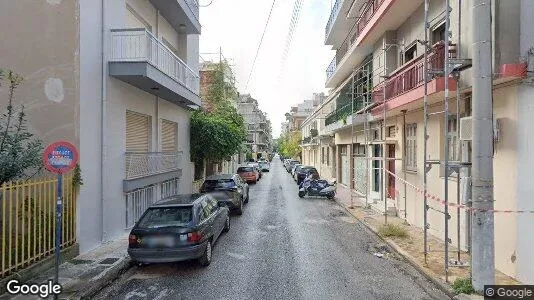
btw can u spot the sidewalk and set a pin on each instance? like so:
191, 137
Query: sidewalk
87, 274
411, 248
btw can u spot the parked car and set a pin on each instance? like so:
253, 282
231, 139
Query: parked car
294, 169
248, 174
264, 165
291, 164
304, 172
257, 167
232, 185
179, 228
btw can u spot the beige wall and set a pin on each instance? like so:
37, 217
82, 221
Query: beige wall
42, 46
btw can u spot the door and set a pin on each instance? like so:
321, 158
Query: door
391, 168
376, 168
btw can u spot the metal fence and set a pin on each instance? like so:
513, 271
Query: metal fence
27, 224
139, 200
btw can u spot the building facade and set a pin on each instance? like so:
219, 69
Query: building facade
117, 78
373, 118
259, 134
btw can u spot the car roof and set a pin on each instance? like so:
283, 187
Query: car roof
179, 200
220, 176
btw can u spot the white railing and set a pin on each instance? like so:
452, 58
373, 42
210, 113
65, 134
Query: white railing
140, 165
194, 7
333, 15
139, 45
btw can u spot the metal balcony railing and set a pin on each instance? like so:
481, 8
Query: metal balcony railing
139, 45
333, 15
194, 7
343, 112
331, 68
138, 165
411, 75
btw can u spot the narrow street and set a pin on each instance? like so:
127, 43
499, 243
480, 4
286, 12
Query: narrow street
282, 247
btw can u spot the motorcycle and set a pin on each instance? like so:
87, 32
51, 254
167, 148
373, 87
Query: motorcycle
317, 187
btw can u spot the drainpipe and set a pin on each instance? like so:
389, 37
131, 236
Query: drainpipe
103, 103
404, 160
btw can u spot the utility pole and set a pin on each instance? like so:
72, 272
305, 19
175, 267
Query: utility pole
483, 267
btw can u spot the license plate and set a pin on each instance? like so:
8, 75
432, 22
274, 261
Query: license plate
161, 241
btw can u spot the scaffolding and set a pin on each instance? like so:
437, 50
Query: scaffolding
375, 99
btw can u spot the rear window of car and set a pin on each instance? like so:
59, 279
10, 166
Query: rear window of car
245, 169
166, 217
218, 184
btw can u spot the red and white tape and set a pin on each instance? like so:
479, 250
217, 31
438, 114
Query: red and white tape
462, 206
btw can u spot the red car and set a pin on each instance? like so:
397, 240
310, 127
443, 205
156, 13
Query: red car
248, 174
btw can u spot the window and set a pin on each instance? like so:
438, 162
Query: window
358, 150
410, 53
160, 217
438, 33
138, 132
322, 155
411, 147
328, 155
377, 165
391, 131
453, 137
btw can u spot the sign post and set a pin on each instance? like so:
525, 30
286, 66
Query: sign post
59, 158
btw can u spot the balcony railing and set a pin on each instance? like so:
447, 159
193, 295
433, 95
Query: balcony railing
367, 11
139, 45
333, 15
343, 112
331, 68
411, 75
194, 7
140, 165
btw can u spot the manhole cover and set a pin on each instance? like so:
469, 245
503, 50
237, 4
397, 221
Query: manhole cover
80, 262
109, 261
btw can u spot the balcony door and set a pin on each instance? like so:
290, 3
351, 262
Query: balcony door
138, 132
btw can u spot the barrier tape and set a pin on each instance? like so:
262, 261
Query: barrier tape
462, 206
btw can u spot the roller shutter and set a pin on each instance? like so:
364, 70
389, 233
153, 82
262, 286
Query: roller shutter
137, 132
169, 133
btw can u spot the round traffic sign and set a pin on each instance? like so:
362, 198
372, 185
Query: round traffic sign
60, 157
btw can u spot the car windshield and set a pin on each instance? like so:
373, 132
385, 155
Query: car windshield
218, 184
245, 169
166, 217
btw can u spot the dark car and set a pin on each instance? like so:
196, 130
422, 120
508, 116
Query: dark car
303, 172
178, 228
230, 184
291, 164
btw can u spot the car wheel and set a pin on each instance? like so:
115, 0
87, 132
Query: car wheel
302, 194
205, 259
227, 223
240, 208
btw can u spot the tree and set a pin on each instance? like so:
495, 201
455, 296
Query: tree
20, 151
289, 144
219, 133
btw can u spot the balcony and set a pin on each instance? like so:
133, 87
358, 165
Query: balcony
180, 13
143, 169
138, 58
405, 84
375, 18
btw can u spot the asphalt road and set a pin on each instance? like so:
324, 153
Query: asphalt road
283, 247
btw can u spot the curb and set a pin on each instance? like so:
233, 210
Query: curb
93, 287
444, 287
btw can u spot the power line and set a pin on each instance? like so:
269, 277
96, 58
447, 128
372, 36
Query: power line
259, 45
295, 17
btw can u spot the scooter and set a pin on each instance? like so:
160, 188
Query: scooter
317, 188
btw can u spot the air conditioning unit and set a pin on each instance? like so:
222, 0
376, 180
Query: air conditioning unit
466, 129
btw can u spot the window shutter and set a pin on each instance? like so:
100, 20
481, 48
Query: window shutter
137, 132
169, 133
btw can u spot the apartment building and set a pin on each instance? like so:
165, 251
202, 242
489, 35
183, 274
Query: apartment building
119, 79
379, 59
259, 135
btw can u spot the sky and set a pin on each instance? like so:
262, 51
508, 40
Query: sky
236, 26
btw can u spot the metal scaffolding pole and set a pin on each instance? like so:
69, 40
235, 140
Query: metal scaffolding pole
350, 155
404, 163
447, 136
483, 250
383, 194
425, 146
458, 148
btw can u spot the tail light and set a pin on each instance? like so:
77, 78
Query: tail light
194, 236
132, 240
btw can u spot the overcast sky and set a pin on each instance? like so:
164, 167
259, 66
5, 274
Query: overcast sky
236, 26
